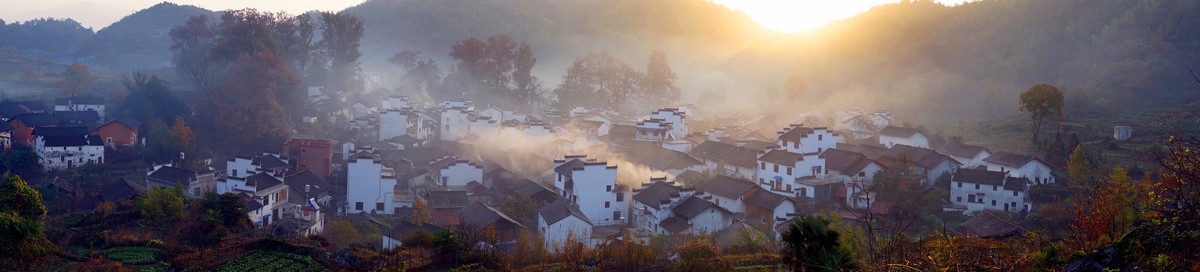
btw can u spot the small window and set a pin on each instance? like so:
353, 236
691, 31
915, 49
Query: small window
993, 202
958, 199
994, 188
1015, 193
976, 186
358, 206
796, 145
608, 188
971, 198
864, 174
789, 170
606, 204
819, 137
959, 184
763, 165
776, 168
379, 206
620, 196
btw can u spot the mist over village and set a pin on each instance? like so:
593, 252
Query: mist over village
600, 135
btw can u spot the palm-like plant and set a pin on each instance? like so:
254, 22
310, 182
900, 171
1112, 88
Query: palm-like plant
811, 245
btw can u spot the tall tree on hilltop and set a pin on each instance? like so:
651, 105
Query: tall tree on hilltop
246, 31
659, 84
76, 80
191, 43
527, 86
341, 35
598, 80
471, 55
500, 54
247, 107
303, 55
419, 75
1041, 101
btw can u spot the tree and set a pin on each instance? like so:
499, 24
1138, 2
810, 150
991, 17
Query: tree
162, 203
228, 208
527, 86
150, 98
1041, 101
811, 244
342, 232
76, 80
420, 213
191, 43
21, 213
521, 207
25, 163
245, 31
471, 55
1079, 167
659, 85
247, 106
340, 38
598, 80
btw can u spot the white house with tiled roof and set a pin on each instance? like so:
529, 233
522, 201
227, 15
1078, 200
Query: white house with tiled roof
893, 135
978, 190
561, 222
1022, 166
454, 173
370, 186
593, 186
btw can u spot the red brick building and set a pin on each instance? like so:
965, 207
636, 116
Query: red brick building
310, 154
24, 124
122, 131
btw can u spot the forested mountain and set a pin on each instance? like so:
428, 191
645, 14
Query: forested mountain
975, 58
140, 39
53, 36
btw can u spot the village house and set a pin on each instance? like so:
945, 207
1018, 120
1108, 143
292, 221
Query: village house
122, 131
804, 140
561, 222
857, 173
67, 147
1021, 166
6, 135
456, 119
308, 201
272, 193
479, 216
83, 103
240, 167
593, 186
726, 159
315, 155
977, 190
371, 187
446, 201
674, 118
397, 122
893, 135
728, 192
971, 156
11, 109
24, 124
169, 176
696, 216
393, 237
924, 163
766, 210
451, 173
781, 171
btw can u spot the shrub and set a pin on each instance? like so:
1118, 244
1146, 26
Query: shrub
162, 203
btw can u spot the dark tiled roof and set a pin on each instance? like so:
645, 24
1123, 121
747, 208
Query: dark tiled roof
126, 120
567, 167
656, 193
659, 158
1016, 184
172, 175
404, 229
742, 157
689, 177
4, 126
530, 188
979, 176
711, 150
872, 152
268, 162
447, 199
82, 100
558, 210
422, 155
795, 134
10, 109
478, 214
262, 181
298, 181
764, 199
733, 234
36, 119
117, 190
962, 150
693, 206
77, 118
60, 131
727, 187
1009, 159
846, 162
759, 145
987, 225
675, 224
898, 132
781, 157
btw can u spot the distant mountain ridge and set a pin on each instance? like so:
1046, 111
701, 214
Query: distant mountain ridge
140, 39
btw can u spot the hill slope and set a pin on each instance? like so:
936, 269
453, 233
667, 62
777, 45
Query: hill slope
140, 39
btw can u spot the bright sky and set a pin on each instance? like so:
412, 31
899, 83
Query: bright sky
781, 15
793, 15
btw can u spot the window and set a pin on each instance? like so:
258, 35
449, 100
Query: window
379, 206
993, 202
776, 168
606, 204
789, 169
976, 186
760, 180
796, 145
864, 174
819, 137
234, 172
1015, 193
762, 165
803, 191
971, 198
617, 215
994, 187
818, 150
958, 199
358, 206
620, 196
608, 188
959, 184
267, 200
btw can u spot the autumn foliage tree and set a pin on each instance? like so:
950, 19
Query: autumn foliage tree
420, 213
1041, 101
21, 213
1107, 208
77, 79
246, 106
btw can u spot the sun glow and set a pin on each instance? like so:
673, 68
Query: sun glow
795, 15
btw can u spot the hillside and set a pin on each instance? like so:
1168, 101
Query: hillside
140, 39
972, 60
